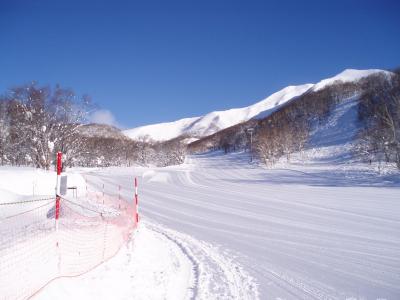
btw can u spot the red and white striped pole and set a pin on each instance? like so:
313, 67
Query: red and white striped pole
136, 202
59, 168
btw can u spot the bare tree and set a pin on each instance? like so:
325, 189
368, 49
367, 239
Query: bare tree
379, 110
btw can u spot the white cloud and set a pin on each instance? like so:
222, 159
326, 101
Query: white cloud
103, 116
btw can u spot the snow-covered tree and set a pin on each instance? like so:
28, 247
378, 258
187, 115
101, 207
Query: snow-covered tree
41, 121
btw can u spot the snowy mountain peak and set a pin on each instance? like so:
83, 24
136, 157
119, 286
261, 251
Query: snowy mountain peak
218, 120
162, 131
348, 75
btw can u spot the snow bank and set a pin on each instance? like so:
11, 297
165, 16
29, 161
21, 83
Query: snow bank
28, 181
150, 267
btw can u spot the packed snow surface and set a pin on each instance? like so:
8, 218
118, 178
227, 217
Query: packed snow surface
218, 120
218, 227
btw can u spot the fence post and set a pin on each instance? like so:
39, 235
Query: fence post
136, 202
57, 206
59, 167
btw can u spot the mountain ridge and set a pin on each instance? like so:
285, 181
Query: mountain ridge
197, 127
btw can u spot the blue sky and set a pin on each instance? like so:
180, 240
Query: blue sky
155, 61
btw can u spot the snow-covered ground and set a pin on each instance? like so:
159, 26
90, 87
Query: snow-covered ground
26, 183
218, 227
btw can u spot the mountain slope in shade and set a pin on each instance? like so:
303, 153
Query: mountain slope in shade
218, 120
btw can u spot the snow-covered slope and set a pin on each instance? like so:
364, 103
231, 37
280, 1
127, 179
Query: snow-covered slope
218, 120
162, 131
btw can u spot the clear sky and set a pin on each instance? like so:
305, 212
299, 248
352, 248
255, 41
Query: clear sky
155, 61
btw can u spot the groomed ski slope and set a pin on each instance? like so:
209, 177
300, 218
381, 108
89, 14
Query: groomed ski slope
218, 227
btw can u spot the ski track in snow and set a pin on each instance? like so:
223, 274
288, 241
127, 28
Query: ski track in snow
218, 227
298, 238
160, 263
215, 275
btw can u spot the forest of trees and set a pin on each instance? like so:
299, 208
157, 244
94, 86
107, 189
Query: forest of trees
288, 130
36, 122
281, 133
379, 111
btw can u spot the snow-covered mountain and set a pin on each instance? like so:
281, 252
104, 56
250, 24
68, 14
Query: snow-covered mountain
218, 120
